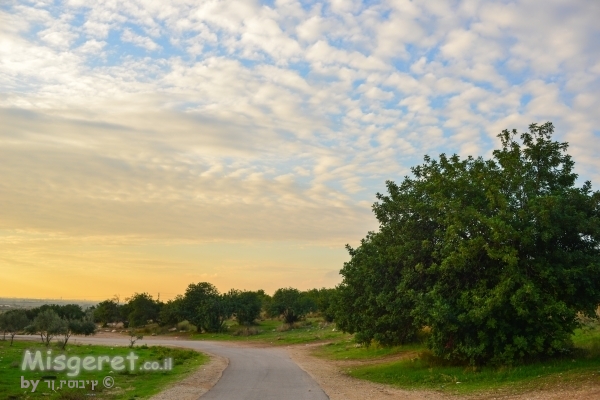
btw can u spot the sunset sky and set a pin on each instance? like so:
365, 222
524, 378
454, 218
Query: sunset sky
146, 145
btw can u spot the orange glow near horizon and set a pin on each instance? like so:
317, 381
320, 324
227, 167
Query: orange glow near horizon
60, 269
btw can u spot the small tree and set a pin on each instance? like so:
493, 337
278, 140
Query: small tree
171, 312
246, 306
134, 337
48, 324
218, 310
205, 307
142, 308
13, 322
76, 327
323, 299
290, 304
107, 311
3, 325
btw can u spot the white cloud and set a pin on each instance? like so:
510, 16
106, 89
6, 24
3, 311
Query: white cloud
138, 40
248, 112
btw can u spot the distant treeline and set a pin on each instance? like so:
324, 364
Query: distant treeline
202, 305
206, 308
48, 321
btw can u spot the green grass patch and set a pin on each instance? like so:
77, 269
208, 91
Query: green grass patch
275, 332
427, 372
128, 384
349, 350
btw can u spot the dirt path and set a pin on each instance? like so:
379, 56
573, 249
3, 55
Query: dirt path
339, 386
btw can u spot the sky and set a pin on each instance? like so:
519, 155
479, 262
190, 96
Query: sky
146, 145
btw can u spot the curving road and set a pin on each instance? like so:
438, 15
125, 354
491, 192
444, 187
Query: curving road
252, 374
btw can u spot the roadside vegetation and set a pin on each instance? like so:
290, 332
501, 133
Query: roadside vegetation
418, 368
127, 384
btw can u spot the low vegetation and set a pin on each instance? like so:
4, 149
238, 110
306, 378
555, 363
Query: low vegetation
413, 366
127, 385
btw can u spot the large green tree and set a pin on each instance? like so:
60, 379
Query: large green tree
495, 256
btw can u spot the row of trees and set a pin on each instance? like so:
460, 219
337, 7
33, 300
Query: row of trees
202, 305
205, 307
48, 321
497, 258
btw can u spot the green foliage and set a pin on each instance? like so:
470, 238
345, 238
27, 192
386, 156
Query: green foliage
290, 304
66, 311
12, 322
264, 298
140, 309
48, 324
134, 336
107, 311
205, 307
373, 301
246, 306
171, 312
324, 302
496, 256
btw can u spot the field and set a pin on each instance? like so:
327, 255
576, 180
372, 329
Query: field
127, 384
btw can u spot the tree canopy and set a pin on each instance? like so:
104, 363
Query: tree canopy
496, 257
205, 307
290, 304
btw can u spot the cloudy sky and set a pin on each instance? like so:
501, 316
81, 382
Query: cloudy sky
146, 144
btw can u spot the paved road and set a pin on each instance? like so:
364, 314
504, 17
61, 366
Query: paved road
252, 374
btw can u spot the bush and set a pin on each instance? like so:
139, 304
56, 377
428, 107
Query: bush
246, 331
186, 327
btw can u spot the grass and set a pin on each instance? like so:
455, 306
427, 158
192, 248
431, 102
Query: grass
426, 372
274, 332
127, 385
349, 350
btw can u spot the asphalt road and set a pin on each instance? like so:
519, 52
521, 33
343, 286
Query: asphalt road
252, 374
